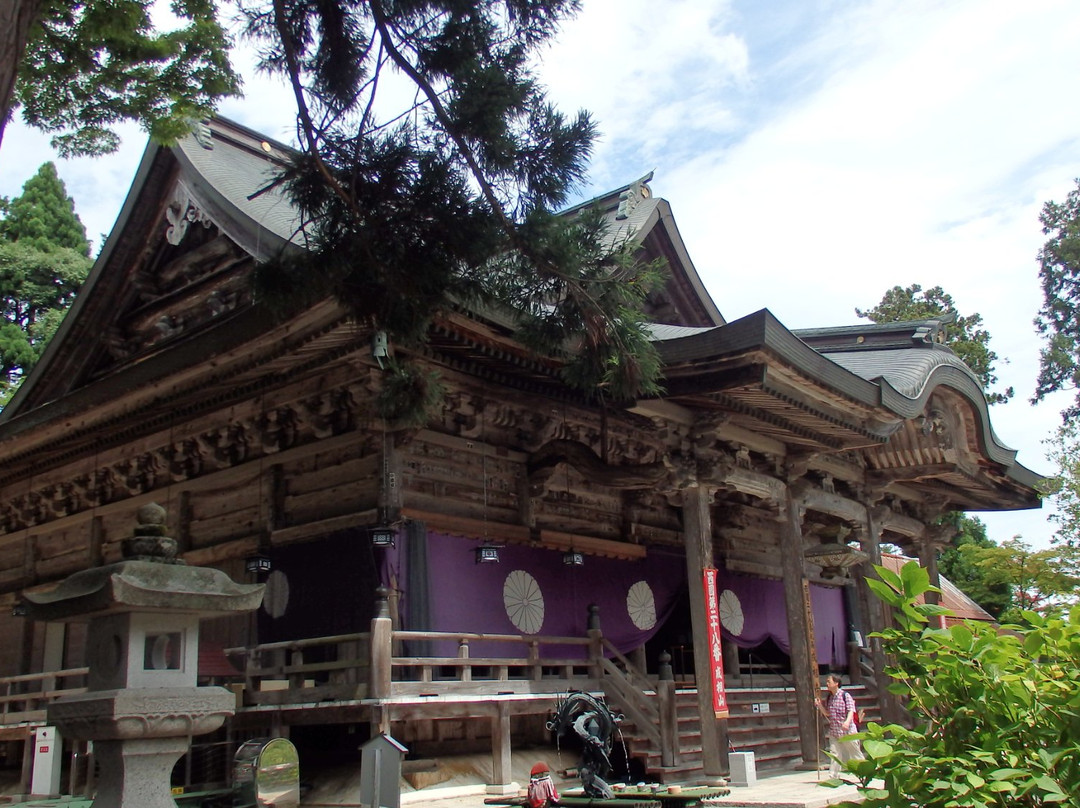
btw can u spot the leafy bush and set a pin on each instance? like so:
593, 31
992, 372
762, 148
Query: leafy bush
996, 712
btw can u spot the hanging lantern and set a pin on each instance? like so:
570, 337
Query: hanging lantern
573, 558
487, 554
383, 536
257, 564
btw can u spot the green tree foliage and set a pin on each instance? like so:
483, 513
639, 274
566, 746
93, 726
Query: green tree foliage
1063, 449
1058, 321
79, 68
965, 334
1039, 580
447, 196
959, 563
996, 715
43, 215
43, 261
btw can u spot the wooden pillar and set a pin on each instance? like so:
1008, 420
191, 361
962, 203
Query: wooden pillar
876, 611
94, 548
27, 761
500, 753
596, 644
52, 658
800, 629
732, 672
381, 671
697, 524
669, 716
928, 557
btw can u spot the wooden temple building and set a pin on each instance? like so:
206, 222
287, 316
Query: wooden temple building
783, 460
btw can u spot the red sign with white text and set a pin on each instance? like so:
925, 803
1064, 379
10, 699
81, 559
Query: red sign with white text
716, 656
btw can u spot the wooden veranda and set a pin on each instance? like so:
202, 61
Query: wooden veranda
383, 679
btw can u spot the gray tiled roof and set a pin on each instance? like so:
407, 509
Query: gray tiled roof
908, 370
236, 176
659, 332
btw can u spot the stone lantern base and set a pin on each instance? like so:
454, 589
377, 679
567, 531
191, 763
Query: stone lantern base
138, 736
137, 772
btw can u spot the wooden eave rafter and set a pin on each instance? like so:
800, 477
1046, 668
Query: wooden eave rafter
775, 400
477, 348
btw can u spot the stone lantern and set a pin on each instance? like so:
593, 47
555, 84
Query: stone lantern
143, 703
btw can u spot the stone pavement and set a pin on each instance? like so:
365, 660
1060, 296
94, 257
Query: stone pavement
798, 789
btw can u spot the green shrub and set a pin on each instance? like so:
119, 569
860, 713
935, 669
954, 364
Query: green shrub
996, 711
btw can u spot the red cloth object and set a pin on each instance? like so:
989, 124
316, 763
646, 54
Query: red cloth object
542, 791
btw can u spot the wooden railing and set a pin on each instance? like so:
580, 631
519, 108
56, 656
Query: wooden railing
383, 662
635, 693
310, 669
527, 665
25, 698
861, 666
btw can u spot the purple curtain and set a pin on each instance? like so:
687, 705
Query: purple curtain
465, 596
762, 604
546, 597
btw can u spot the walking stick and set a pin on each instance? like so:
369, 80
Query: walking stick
817, 736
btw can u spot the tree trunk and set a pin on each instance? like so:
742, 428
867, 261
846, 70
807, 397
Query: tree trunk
16, 17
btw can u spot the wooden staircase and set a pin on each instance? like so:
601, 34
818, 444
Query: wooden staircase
770, 732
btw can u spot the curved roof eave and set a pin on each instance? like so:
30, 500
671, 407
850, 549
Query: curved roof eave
762, 330
939, 367
239, 188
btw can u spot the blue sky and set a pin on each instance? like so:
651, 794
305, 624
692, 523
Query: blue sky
814, 153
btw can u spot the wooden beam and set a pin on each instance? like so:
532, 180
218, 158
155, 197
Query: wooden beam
209, 556
321, 527
554, 540
470, 528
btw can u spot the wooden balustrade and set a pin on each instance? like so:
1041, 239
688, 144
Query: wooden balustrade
25, 698
634, 692
362, 665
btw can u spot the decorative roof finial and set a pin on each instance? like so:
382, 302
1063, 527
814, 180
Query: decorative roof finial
149, 542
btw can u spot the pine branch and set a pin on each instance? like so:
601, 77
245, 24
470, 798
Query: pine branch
310, 133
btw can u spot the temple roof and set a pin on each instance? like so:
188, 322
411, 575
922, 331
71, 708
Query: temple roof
148, 314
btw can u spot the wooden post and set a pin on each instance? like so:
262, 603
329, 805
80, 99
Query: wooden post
536, 669
96, 543
465, 673
876, 612
697, 524
596, 644
799, 621
928, 558
500, 749
732, 672
668, 709
27, 760
381, 671
295, 659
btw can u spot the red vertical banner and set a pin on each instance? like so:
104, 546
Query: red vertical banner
716, 656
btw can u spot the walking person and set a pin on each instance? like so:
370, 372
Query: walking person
840, 712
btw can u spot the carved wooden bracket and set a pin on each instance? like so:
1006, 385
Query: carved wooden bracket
543, 462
